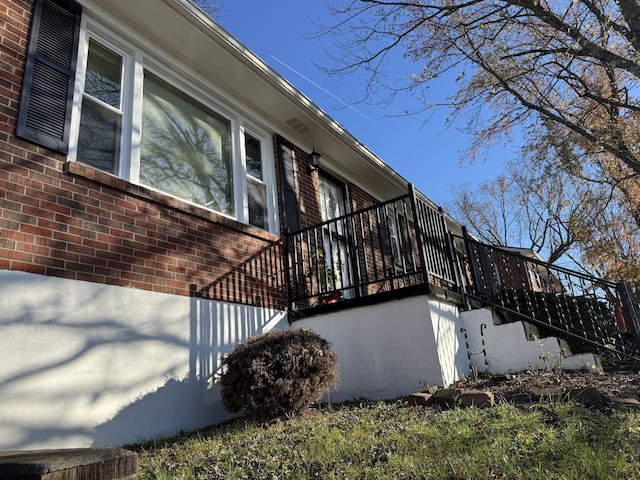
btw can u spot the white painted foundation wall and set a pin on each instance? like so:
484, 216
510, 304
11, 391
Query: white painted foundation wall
84, 364
393, 349
504, 348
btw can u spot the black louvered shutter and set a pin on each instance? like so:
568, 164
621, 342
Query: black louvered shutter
47, 92
290, 208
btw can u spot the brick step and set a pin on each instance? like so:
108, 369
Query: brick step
69, 464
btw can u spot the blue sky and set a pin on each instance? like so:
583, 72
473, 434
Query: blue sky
281, 31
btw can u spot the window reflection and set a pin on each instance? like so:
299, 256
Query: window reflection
185, 148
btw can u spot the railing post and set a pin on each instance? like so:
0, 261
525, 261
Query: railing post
473, 264
288, 267
450, 251
419, 233
629, 311
353, 252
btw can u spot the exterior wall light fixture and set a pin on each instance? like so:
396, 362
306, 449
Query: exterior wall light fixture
314, 158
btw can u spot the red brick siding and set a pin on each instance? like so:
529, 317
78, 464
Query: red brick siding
69, 220
410, 254
359, 198
309, 189
14, 28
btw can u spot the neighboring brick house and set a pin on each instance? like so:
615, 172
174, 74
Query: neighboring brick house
148, 165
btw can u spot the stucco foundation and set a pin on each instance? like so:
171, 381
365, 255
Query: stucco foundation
85, 364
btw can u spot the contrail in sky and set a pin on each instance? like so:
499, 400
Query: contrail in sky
327, 92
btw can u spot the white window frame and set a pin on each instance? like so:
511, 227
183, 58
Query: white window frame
135, 63
128, 87
268, 172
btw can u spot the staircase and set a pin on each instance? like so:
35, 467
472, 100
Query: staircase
502, 348
588, 314
407, 246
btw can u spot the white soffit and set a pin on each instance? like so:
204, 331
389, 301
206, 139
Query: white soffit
181, 29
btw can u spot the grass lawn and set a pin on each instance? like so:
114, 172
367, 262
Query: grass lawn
393, 441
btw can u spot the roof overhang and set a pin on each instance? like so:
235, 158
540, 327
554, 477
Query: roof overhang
184, 31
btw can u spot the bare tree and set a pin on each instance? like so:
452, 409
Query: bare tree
562, 73
213, 8
527, 208
562, 217
607, 237
574, 64
489, 211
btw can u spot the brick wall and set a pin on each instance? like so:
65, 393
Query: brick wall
309, 187
359, 198
69, 220
14, 27
306, 182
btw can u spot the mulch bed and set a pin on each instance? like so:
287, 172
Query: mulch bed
611, 385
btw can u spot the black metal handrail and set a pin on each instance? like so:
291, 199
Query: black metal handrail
391, 245
586, 311
405, 242
258, 280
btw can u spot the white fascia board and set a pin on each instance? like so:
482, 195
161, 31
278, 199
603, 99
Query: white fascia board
205, 45
323, 119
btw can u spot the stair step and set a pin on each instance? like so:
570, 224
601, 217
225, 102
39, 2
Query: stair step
69, 464
507, 347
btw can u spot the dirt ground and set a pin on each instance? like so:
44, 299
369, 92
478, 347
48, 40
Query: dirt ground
612, 384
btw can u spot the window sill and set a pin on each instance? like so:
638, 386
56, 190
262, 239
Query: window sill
80, 170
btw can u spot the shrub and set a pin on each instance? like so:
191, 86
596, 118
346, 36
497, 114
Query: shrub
278, 373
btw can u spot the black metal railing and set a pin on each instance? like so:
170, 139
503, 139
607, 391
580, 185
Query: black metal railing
586, 311
406, 242
392, 245
258, 280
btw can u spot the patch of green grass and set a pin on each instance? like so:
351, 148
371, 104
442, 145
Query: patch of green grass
391, 440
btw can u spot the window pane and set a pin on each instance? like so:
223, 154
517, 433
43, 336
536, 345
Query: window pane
253, 156
104, 73
99, 136
185, 149
257, 203
332, 198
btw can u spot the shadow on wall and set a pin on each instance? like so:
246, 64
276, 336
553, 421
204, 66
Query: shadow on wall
450, 342
258, 280
183, 404
191, 402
